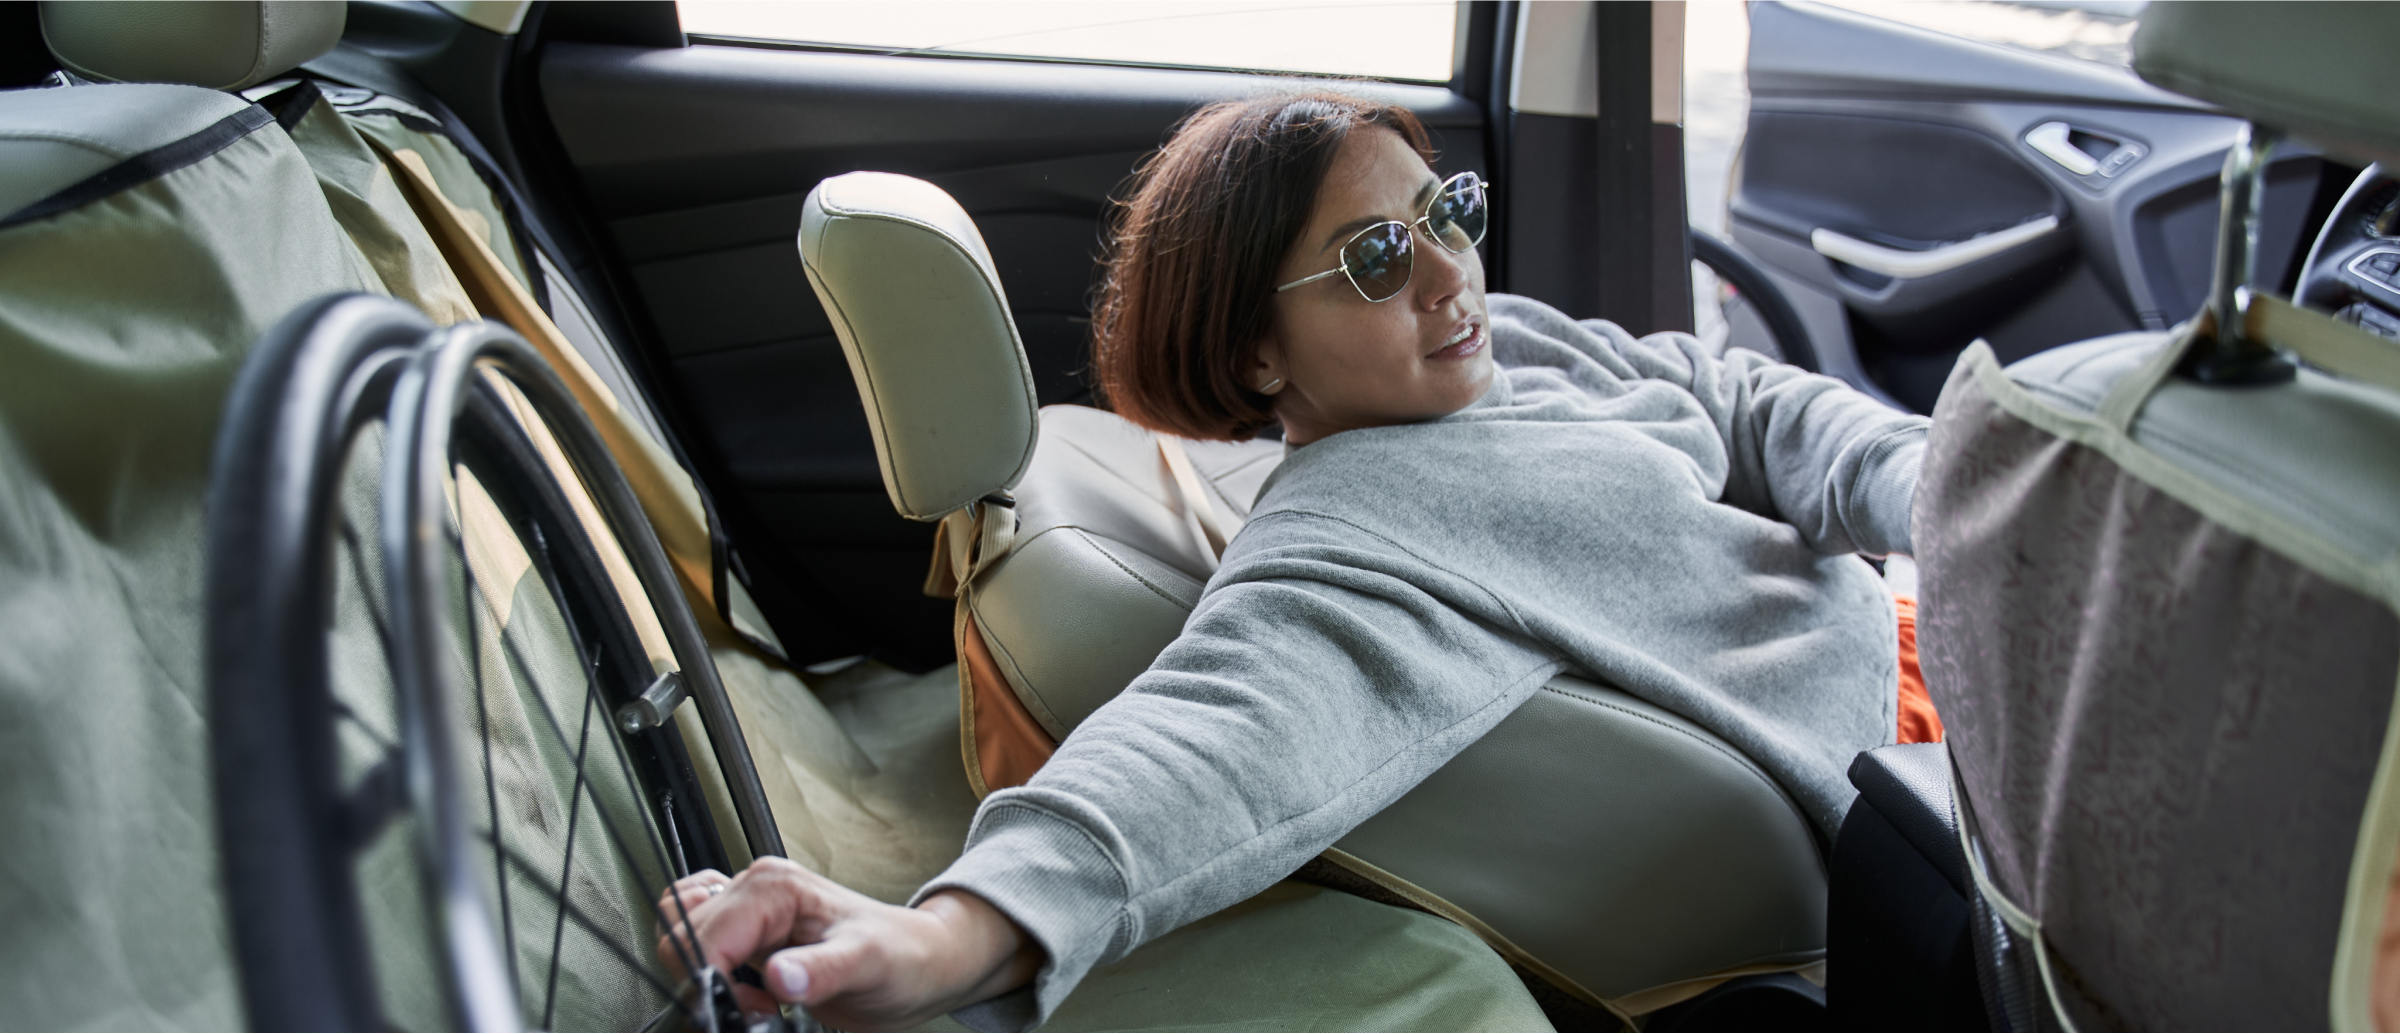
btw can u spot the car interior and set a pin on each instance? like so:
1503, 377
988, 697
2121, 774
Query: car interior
464, 465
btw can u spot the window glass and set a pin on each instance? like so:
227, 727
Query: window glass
1716, 111
1387, 39
2099, 31
1716, 103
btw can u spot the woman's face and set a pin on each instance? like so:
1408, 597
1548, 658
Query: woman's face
1346, 362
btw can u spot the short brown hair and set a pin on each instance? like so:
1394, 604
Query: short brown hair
1193, 253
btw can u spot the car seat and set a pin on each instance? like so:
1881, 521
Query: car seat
2159, 593
1621, 856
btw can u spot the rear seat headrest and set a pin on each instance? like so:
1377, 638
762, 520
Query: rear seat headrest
221, 46
2323, 72
913, 296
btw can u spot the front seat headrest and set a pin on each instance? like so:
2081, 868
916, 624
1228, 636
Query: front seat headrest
912, 294
2322, 71
220, 46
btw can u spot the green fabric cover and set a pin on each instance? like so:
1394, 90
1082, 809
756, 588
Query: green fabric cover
122, 324
1301, 957
386, 120
364, 198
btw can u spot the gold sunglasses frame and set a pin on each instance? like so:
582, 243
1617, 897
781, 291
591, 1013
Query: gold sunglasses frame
1424, 223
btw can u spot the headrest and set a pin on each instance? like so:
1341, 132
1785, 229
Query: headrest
918, 307
2323, 72
221, 46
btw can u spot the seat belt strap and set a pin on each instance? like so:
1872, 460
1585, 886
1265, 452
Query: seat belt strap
667, 494
1187, 484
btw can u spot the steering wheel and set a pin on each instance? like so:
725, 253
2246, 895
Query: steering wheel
1782, 321
2353, 270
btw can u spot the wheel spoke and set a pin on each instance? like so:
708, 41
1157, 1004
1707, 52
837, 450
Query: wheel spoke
583, 920
483, 723
358, 570
566, 866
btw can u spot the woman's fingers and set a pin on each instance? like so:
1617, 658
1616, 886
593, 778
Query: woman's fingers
699, 886
813, 973
772, 904
681, 901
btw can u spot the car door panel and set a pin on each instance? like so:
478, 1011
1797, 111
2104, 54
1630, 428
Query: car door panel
1844, 180
1913, 140
698, 159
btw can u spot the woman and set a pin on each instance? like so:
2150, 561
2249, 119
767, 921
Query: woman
1481, 493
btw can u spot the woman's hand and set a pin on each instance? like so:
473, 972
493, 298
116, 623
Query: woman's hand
855, 962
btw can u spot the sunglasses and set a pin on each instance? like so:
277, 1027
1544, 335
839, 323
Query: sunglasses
1379, 259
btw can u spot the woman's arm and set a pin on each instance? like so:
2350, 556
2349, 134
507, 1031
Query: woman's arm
1325, 674
1802, 448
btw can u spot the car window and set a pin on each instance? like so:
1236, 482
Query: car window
2097, 30
1386, 39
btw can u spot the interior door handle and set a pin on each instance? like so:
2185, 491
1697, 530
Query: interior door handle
1912, 265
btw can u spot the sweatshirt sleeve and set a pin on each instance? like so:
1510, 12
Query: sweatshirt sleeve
1803, 448
1314, 685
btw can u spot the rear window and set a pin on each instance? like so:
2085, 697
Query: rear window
1383, 39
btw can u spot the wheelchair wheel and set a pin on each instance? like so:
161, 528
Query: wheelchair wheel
446, 655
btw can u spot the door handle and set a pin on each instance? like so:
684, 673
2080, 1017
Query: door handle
2055, 141
1914, 265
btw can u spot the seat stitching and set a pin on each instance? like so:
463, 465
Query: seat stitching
1654, 720
1136, 575
1000, 651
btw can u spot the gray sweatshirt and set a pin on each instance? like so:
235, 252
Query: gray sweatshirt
1640, 513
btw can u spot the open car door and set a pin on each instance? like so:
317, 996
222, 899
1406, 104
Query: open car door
1913, 191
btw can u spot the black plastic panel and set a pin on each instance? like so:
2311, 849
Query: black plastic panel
1552, 219
24, 59
1895, 182
2176, 233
